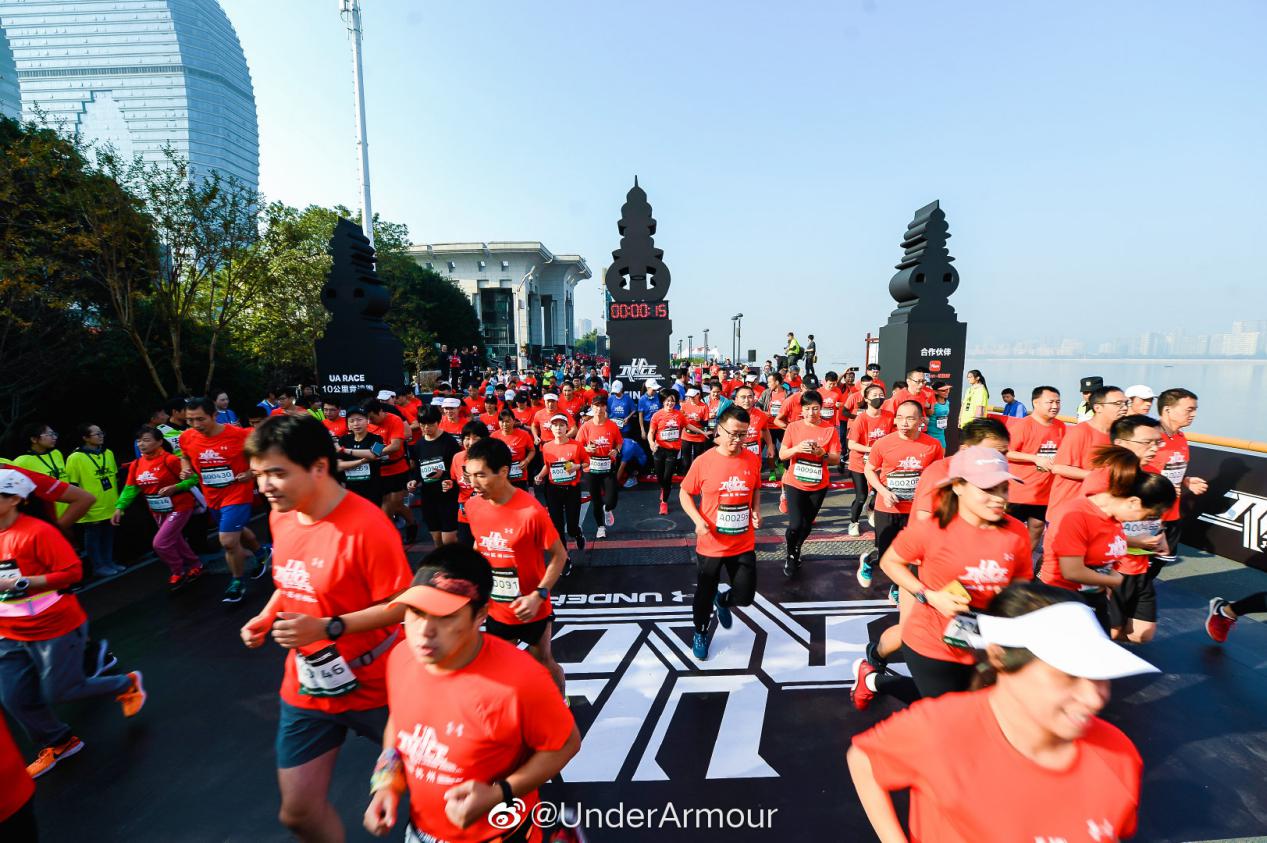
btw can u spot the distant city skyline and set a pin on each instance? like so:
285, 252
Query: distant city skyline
1247, 338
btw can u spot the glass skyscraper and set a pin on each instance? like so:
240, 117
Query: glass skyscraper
140, 74
10, 98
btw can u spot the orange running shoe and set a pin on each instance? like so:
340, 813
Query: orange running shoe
134, 697
50, 755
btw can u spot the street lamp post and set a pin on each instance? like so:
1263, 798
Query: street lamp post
738, 317
690, 348
351, 12
705, 346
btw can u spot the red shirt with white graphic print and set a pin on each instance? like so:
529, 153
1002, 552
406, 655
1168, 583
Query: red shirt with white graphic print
1078, 527
513, 538
725, 486
805, 472
213, 458
899, 462
1030, 436
1171, 461
867, 430
1076, 449
158, 471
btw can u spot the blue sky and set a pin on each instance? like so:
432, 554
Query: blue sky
1101, 164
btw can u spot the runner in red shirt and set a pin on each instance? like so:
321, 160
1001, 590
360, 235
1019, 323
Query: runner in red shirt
811, 447
155, 475
915, 390
471, 433
342, 564
541, 419
758, 439
893, 467
564, 461
867, 428
394, 471
519, 441
695, 431
213, 452
44, 632
664, 435
474, 723
833, 404
572, 403
966, 555
332, 418
516, 535
1073, 457
873, 370
1176, 409
602, 441
1036, 439
451, 420
1085, 546
1053, 770
727, 480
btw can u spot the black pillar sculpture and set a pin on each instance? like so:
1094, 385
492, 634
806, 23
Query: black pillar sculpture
638, 322
358, 349
924, 329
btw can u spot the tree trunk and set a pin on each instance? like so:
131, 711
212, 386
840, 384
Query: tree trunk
211, 361
139, 342
176, 366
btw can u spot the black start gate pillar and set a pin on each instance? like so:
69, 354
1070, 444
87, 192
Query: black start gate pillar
924, 329
638, 323
358, 349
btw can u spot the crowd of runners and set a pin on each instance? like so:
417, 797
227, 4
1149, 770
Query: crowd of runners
1018, 548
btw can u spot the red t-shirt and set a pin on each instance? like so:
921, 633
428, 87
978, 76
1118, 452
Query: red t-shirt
156, 471
452, 426
519, 442
899, 462
833, 400
217, 459
480, 723
983, 559
695, 414
557, 456
1077, 527
348, 561
758, 423
542, 420
574, 407
513, 538
337, 427
393, 427
607, 440
867, 430
924, 398
725, 486
790, 411
47, 487
525, 415
1171, 462
666, 429
35, 548
968, 784
809, 474
1029, 436
1076, 449
457, 471
16, 784
928, 486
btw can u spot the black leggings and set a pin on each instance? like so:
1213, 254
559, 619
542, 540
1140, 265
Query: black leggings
887, 526
929, 678
742, 569
1254, 603
860, 492
802, 509
691, 451
665, 462
564, 503
604, 490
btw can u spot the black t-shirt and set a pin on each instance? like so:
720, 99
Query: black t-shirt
365, 479
434, 459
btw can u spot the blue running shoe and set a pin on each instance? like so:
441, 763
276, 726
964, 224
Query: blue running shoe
723, 613
865, 569
700, 646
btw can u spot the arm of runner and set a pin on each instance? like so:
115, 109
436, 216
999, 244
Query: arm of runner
1070, 471
943, 601
255, 630
881, 491
294, 629
1196, 485
387, 784
467, 802
186, 467
702, 527
1074, 569
875, 799
126, 497
80, 501
769, 442
1043, 463
756, 504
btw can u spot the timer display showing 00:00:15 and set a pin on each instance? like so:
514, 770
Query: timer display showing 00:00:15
623, 311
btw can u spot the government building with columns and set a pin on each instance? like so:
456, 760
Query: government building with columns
522, 292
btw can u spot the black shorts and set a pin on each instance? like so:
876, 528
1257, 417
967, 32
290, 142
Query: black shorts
1134, 599
439, 510
529, 633
1023, 511
304, 733
395, 482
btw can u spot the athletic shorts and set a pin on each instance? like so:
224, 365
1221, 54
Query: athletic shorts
1134, 599
439, 511
395, 482
1022, 511
232, 518
304, 733
528, 633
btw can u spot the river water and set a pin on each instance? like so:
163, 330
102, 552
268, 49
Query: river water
1233, 393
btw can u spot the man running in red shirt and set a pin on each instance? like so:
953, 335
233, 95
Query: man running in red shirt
1072, 462
1035, 440
342, 564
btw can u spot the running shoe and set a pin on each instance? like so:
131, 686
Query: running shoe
783, 503
855, 529
789, 565
263, 556
699, 646
865, 569
567, 566
98, 658
193, 573
109, 569
235, 591
873, 657
580, 542
134, 697
631, 482
50, 755
894, 594
610, 518
600, 533
175, 582
1217, 624
664, 508
861, 694
724, 617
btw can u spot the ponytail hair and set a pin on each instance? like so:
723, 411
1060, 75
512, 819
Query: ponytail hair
947, 506
1128, 479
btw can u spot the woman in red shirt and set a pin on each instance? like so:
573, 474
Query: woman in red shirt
472, 432
565, 462
865, 430
43, 631
1084, 546
519, 441
1025, 758
811, 446
665, 438
602, 441
694, 432
156, 476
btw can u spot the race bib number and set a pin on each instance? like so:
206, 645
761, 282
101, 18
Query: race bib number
516, 471
1174, 472
359, 472
217, 478
941, 423
432, 470
902, 484
733, 519
600, 465
829, 412
159, 503
670, 434
505, 585
559, 473
754, 447
808, 472
1048, 449
962, 632
324, 674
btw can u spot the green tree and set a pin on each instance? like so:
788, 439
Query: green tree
587, 344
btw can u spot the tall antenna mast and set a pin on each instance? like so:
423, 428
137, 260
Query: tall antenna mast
350, 10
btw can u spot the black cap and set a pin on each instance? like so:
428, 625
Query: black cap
810, 381
1090, 383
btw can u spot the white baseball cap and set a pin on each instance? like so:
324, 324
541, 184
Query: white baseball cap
510, 395
1068, 637
617, 386
651, 382
550, 396
1140, 391
451, 403
692, 391
437, 400
385, 395
15, 483
750, 378
560, 417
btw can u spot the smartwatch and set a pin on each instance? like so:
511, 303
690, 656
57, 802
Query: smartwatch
922, 596
335, 627
543, 593
22, 584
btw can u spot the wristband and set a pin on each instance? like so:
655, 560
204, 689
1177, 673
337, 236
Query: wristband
508, 794
388, 772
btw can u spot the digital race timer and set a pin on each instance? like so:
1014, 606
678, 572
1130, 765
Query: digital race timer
627, 311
